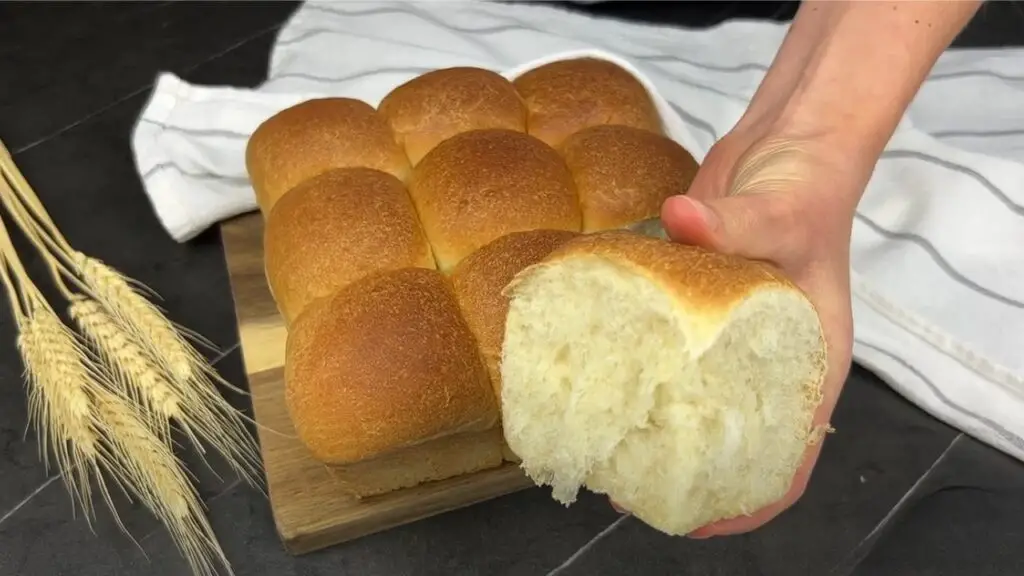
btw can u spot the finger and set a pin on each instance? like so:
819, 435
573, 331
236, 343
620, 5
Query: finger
758, 226
689, 221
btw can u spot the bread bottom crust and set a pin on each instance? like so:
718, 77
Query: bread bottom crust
431, 461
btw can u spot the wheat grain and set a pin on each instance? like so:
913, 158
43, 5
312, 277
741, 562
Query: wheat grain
148, 468
131, 366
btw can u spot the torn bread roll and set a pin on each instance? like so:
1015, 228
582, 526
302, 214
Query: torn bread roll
624, 174
435, 106
567, 96
481, 185
385, 364
315, 136
679, 382
480, 280
335, 228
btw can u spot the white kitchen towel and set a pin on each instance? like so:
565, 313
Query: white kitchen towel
938, 248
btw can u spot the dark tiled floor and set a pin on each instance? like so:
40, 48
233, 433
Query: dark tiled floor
895, 493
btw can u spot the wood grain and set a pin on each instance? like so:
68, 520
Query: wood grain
310, 509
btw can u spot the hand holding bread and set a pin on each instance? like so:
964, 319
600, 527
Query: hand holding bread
459, 293
784, 200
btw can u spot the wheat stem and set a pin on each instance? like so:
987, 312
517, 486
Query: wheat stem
54, 255
21, 187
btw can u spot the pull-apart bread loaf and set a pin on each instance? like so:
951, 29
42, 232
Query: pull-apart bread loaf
481, 185
387, 363
315, 136
433, 107
624, 174
336, 228
393, 370
567, 96
680, 382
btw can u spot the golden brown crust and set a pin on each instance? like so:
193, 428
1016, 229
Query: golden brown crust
480, 279
708, 283
624, 174
315, 136
567, 96
484, 184
336, 228
433, 107
385, 363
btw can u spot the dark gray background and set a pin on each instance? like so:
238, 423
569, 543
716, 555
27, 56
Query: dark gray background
896, 492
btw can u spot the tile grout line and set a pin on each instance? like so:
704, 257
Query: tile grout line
850, 562
99, 111
26, 499
590, 544
51, 479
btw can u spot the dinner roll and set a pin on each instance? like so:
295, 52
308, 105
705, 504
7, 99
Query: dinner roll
624, 174
480, 279
385, 363
312, 137
483, 184
680, 382
336, 228
567, 96
440, 104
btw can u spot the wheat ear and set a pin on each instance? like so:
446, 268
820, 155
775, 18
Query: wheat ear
60, 386
59, 402
129, 365
147, 468
147, 384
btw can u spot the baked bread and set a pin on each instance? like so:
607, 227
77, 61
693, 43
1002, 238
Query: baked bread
624, 174
567, 96
384, 364
691, 396
433, 107
483, 184
336, 228
310, 138
392, 370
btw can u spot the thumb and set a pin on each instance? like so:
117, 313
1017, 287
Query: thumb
761, 226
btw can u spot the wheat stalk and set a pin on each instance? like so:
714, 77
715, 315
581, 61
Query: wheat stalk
109, 413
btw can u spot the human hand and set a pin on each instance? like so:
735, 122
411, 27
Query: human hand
763, 195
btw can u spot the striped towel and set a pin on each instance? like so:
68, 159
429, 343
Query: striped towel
938, 244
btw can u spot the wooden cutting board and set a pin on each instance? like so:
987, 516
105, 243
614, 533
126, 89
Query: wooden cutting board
310, 509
